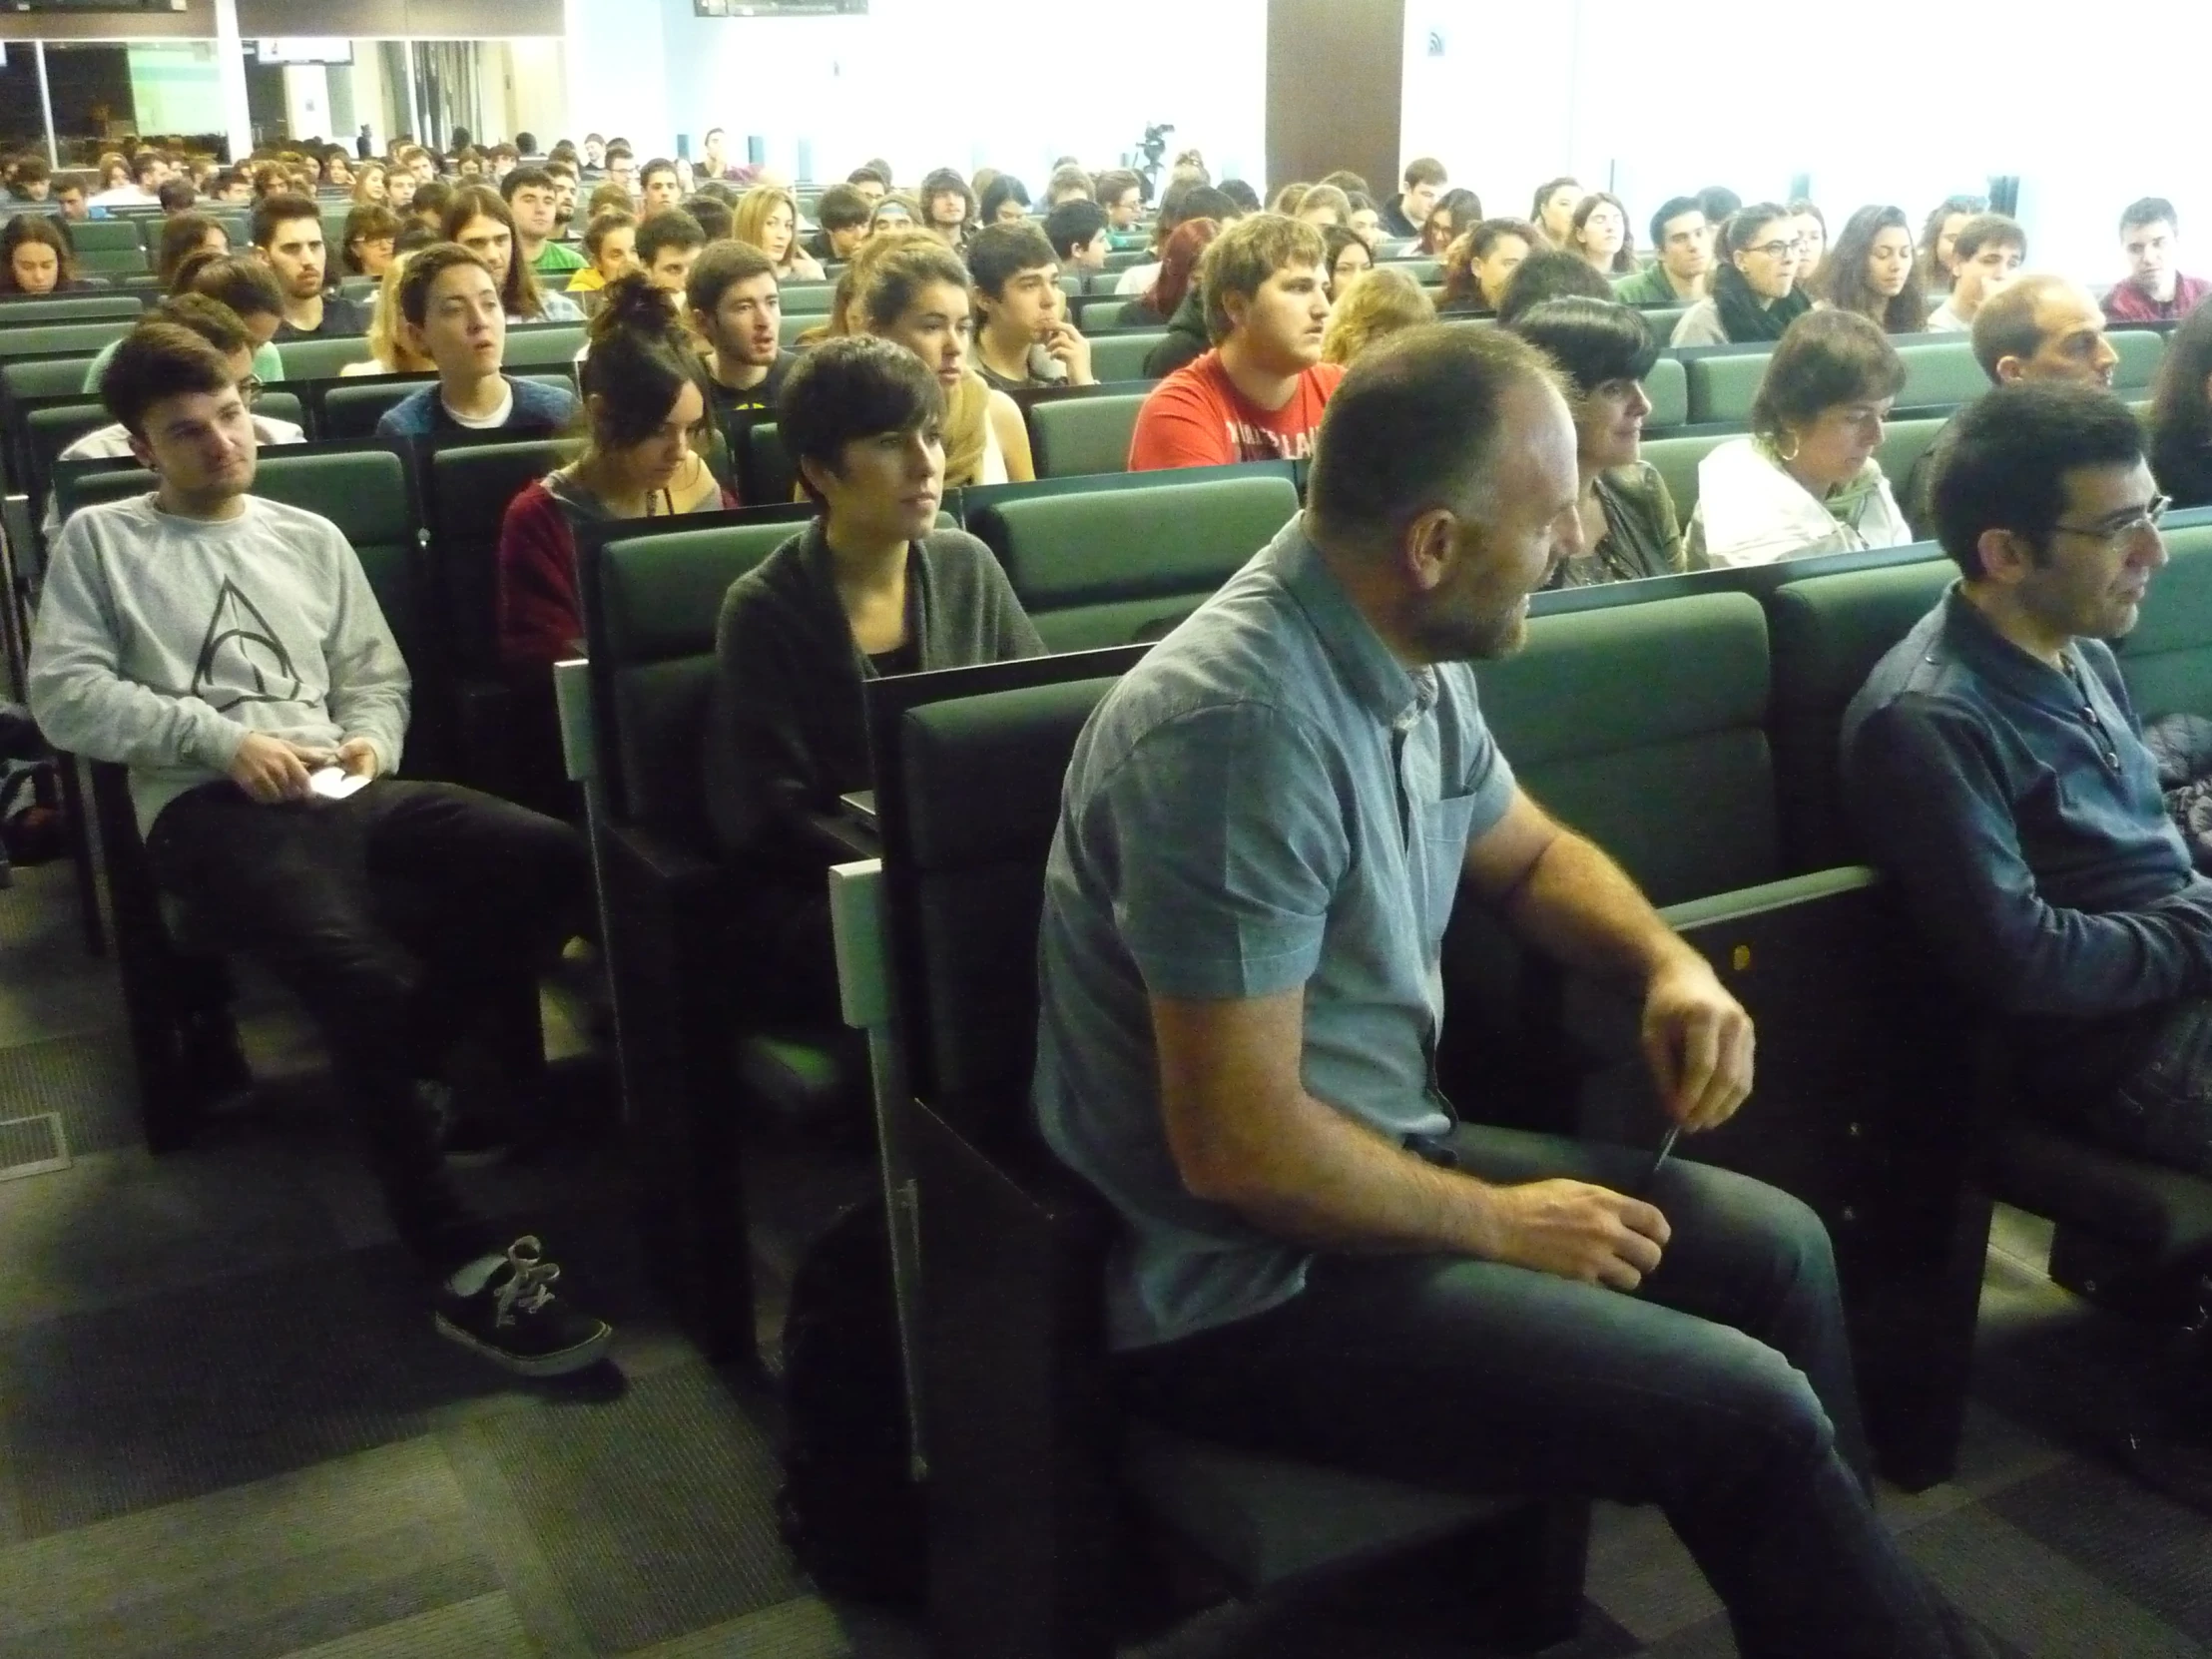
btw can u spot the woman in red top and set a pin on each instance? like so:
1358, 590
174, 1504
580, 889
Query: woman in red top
647, 412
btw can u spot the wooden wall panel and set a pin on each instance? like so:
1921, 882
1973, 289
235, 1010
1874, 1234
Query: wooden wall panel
1336, 89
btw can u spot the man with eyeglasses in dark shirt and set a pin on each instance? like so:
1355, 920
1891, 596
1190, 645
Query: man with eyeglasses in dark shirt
1993, 761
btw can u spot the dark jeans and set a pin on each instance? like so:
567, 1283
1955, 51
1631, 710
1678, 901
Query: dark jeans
2140, 1084
1721, 1391
404, 918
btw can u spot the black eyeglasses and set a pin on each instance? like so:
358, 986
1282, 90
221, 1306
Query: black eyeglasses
2113, 534
249, 389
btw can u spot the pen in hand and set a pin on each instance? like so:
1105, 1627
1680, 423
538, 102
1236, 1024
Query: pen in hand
1666, 1148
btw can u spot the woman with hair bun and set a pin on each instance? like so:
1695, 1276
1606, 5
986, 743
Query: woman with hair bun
645, 416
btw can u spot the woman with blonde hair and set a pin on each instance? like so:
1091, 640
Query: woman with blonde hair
369, 186
768, 218
387, 348
1373, 304
911, 289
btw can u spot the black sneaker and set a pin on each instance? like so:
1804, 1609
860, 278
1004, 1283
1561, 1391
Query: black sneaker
516, 1321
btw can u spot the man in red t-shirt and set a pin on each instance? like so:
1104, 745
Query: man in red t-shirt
1258, 395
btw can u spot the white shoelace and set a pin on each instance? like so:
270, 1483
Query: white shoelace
529, 1282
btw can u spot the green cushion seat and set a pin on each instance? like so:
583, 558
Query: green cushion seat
1072, 436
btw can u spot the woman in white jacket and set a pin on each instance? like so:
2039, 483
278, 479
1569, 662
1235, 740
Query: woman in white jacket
1806, 481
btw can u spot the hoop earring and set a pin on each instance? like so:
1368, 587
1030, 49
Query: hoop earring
1786, 456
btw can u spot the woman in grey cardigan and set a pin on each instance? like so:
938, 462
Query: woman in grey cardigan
871, 588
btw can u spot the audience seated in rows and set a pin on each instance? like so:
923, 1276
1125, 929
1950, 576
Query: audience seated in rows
646, 407
1755, 293
1456, 212
1406, 214
183, 237
1239, 967
1479, 264
842, 215
949, 211
872, 587
386, 340
1169, 298
1680, 272
669, 243
1986, 253
1550, 274
1259, 394
1994, 763
735, 310
1805, 480
36, 257
1023, 338
368, 242
1870, 272
535, 201
230, 651
1370, 307
451, 312
1004, 201
2034, 328
910, 288
1076, 231
1551, 210
1122, 196
1625, 524
1345, 255
611, 249
2154, 290
2182, 414
479, 219
1178, 206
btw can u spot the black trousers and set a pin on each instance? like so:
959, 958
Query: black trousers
404, 918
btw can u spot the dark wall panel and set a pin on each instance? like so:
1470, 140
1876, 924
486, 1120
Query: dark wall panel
1336, 89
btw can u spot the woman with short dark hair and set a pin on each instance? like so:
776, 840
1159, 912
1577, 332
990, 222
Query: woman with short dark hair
1870, 271
2182, 414
1626, 521
1806, 481
873, 587
1754, 289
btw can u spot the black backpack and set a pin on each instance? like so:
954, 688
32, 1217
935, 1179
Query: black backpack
849, 1510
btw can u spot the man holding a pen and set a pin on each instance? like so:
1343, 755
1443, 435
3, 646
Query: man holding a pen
1262, 832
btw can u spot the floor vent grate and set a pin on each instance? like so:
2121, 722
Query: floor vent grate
32, 1146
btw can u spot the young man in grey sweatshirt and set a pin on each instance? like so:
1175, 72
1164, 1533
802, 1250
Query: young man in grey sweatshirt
230, 651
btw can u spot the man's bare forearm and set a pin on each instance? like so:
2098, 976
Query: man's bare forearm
1578, 906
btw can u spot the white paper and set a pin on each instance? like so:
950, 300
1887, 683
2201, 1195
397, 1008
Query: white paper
333, 784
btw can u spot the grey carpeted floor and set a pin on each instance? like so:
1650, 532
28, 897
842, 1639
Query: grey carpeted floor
226, 1428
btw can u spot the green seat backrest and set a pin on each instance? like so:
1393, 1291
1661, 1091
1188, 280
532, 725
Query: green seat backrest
1105, 569
796, 323
70, 307
808, 299
352, 409
983, 780
1676, 460
543, 344
1644, 727
1660, 319
1101, 311
1668, 387
1939, 372
2168, 658
1829, 631
105, 236
42, 377
654, 601
1121, 356
114, 262
1722, 385
1903, 444
51, 430
2141, 351
320, 359
55, 339
767, 475
1423, 270
1074, 436
467, 490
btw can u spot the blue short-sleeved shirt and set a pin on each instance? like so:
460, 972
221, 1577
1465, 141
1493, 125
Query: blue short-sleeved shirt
1270, 799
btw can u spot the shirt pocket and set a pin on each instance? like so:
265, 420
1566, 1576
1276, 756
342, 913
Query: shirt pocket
1434, 860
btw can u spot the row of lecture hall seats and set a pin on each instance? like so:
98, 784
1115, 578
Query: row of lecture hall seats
1687, 724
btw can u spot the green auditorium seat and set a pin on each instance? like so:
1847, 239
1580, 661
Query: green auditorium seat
70, 307
1676, 459
320, 359
41, 377
796, 323
2141, 351
105, 236
1030, 1471
1645, 727
57, 340
651, 601
2168, 658
1940, 371
543, 344
1110, 568
1668, 387
807, 299
112, 261
351, 408
1903, 444
1722, 384
1121, 356
1070, 437
1100, 312
48, 430
767, 475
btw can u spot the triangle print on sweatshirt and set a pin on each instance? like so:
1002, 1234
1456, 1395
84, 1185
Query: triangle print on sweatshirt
241, 658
